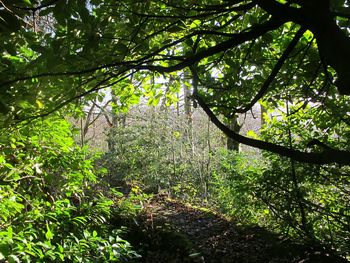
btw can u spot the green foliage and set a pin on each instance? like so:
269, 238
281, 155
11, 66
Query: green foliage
314, 196
262, 191
51, 210
300, 200
161, 157
131, 205
234, 186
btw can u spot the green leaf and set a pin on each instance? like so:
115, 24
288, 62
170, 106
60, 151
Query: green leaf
48, 234
252, 134
10, 232
195, 23
60, 248
39, 104
27, 2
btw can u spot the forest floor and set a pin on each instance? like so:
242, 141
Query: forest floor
170, 231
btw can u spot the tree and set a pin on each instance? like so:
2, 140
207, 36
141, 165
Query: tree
239, 52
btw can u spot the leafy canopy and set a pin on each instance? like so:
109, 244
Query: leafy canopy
233, 53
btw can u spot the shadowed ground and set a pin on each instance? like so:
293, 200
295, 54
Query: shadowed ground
170, 231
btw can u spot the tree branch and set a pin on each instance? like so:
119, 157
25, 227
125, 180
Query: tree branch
282, 11
328, 156
332, 42
101, 85
274, 71
234, 41
37, 7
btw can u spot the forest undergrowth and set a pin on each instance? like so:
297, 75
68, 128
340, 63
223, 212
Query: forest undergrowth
62, 203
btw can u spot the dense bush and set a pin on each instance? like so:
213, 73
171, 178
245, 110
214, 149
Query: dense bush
51, 209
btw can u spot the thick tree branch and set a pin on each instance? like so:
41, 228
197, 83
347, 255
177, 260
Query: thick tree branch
334, 48
332, 42
326, 157
87, 120
281, 11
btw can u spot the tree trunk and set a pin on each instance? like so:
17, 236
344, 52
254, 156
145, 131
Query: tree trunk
263, 111
188, 115
233, 124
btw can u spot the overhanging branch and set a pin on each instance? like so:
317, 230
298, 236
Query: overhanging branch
328, 156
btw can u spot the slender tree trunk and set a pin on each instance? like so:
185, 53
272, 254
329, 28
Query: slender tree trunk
234, 125
263, 111
82, 141
207, 179
188, 114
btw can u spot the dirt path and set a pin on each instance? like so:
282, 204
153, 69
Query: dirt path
170, 231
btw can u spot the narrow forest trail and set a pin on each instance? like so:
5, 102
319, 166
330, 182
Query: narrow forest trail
170, 231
